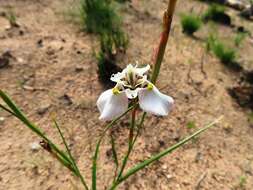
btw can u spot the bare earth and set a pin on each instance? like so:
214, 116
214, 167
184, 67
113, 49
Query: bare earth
53, 71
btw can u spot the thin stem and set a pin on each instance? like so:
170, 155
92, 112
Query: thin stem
7, 110
159, 52
115, 157
130, 144
95, 157
71, 157
163, 153
131, 134
167, 20
51, 147
139, 126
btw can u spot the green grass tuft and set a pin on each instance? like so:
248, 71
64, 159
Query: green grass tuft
226, 54
239, 38
12, 18
100, 17
190, 23
191, 125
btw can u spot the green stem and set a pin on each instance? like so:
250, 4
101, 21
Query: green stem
130, 145
71, 157
95, 157
162, 154
167, 20
7, 110
139, 126
19, 115
115, 158
159, 53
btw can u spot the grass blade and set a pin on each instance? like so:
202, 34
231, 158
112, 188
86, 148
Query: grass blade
95, 157
115, 157
7, 110
163, 153
114, 152
70, 156
60, 155
19, 114
130, 145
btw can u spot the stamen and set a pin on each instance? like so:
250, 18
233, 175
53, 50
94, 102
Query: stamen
150, 86
115, 91
131, 77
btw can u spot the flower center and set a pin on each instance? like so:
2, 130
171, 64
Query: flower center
131, 77
132, 80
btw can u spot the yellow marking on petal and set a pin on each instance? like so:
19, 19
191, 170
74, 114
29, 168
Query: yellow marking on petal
150, 86
115, 91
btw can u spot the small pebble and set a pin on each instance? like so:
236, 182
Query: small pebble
164, 167
29, 88
65, 99
35, 146
169, 176
20, 60
79, 69
2, 120
43, 109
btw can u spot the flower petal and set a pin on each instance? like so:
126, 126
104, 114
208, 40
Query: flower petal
142, 70
128, 68
112, 105
117, 77
103, 98
153, 101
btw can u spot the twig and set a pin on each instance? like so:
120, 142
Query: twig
202, 65
200, 180
191, 81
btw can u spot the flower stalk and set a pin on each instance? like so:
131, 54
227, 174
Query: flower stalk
159, 53
95, 157
130, 144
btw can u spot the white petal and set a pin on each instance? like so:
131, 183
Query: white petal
131, 94
129, 67
153, 101
111, 106
103, 98
117, 77
142, 70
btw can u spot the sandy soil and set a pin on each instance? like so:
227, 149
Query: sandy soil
53, 71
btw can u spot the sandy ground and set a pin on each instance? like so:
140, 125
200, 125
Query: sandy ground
53, 71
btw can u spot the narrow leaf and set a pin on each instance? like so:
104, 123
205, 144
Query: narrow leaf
163, 153
19, 115
77, 171
114, 152
95, 157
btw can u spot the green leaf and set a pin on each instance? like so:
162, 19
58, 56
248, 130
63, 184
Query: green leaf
191, 125
163, 153
95, 157
70, 156
251, 118
15, 111
115, 157
114, 152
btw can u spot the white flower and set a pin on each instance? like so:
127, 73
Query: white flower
132, 83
